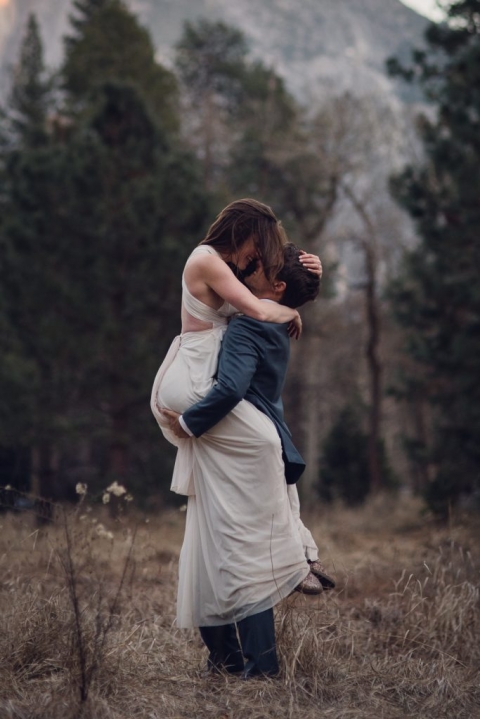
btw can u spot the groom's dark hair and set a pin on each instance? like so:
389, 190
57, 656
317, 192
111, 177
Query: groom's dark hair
302, 285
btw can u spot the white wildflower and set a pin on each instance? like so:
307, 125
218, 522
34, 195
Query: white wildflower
102, 532
128, 498
117, 489
81, 488
82, 517
106, 497
9, 486
183, 508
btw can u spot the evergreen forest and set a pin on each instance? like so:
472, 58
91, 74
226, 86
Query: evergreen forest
112, 167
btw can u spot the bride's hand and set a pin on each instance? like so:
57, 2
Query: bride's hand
174, 424
295, 327
311, 262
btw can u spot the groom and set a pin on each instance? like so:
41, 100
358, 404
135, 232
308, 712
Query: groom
252, 365
253, 361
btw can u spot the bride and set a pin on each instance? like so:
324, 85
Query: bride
242, 552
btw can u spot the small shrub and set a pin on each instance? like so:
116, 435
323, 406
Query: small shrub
344, 470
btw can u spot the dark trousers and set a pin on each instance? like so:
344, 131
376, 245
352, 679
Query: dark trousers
257, 645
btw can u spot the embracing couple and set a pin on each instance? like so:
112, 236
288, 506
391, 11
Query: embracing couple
217, 397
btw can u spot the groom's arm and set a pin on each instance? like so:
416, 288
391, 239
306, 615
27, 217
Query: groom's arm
242, 348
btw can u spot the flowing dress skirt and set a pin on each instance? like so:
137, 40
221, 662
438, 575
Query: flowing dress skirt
242, 551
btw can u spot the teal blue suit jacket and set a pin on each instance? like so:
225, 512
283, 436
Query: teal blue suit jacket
252, 365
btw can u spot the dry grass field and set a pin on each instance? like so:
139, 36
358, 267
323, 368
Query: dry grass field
87, 623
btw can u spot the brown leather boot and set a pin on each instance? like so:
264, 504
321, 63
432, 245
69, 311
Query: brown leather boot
317, 568
309, 585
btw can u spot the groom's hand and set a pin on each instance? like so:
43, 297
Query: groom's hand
174, 424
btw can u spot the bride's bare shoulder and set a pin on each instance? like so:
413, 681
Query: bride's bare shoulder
203, 264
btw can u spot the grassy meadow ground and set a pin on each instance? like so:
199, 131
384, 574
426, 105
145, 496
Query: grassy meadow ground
82, 615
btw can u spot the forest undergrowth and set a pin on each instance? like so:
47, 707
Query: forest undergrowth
87, 606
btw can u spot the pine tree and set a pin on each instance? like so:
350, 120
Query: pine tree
344, 469
111, 45
211, 62
151, 205
211, 59
41, 342
437, 297
24, 132
30, 94
236, 110
95, 233
85, 10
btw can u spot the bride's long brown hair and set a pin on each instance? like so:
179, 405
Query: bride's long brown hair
243, 219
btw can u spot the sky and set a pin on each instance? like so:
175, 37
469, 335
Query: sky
426, 7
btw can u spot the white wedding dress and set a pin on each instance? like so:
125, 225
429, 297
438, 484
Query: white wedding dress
243, 550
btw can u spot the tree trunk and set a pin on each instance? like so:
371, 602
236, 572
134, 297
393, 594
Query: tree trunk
311, 409
422, 474
375, 371
305, 408
368, 246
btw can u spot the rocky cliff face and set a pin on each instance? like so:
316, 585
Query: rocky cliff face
328, 45
319, 46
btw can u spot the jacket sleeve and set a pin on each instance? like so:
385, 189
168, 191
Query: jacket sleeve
241, 351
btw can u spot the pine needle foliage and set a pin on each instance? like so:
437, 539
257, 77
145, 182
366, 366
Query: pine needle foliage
31, 90
111, 45
437, 297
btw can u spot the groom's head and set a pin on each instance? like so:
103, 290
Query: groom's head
293, 286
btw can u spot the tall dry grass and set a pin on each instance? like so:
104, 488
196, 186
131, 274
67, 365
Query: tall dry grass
398, 638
